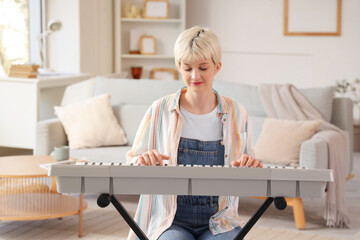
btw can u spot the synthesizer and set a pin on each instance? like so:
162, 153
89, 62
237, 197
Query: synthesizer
117, 178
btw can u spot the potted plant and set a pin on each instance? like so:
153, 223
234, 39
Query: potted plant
351, 89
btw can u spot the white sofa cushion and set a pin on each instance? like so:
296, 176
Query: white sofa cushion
247, 95
321, 98
140, 92
256, 123
91, 123
129, 117
102, 154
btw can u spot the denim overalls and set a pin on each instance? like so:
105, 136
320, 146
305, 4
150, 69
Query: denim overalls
194, 212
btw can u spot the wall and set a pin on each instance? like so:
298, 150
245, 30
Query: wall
85, 43
64, 46
256, 51
96, 36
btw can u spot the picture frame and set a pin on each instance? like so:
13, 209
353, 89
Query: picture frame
135, 35
147, 45
328, 25
156, 9
164, 74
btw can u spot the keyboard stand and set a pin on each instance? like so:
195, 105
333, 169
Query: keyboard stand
105, 199
279, 202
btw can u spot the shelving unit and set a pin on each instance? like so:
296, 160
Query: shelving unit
142, 20
164, 30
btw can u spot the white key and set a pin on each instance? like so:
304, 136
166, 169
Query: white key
80, 163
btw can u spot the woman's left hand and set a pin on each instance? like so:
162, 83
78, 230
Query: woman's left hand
247, 161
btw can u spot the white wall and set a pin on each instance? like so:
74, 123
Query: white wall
255, 49
64, 46
85, 43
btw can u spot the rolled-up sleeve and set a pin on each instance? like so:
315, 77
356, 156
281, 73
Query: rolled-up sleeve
141, 141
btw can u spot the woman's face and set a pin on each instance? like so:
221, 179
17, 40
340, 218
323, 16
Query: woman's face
199, 75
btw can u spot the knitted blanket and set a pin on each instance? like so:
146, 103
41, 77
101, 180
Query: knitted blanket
286, 102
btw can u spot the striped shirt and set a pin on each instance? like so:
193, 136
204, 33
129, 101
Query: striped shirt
160, 129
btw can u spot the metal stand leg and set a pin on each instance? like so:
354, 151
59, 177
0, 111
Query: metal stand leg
105, 199
279, 205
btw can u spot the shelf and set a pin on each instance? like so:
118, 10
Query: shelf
143, 20
165, 30
139, 56
38, 206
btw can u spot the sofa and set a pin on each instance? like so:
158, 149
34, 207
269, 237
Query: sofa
131, 98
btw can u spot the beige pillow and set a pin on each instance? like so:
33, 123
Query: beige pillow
91, 123
280, 140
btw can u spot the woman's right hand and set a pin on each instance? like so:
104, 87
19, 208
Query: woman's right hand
152, 158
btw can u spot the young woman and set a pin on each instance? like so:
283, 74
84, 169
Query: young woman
195, 125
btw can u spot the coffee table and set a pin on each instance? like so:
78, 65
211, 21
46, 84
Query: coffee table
28, 193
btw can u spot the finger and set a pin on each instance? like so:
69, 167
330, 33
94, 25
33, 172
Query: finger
243, 160
165, 157
158, 157
250, 161
261, 165
147, 159
152, 158
235, 163
255, 163
141, 161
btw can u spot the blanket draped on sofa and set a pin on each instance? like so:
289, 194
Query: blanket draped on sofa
286, 102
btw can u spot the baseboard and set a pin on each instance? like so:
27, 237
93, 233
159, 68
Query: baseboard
4, 151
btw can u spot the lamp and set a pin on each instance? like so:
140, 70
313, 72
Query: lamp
53, 26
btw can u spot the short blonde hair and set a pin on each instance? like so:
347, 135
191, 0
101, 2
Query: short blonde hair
195, 44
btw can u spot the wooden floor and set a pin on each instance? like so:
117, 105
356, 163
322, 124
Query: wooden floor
274, 225
107, 224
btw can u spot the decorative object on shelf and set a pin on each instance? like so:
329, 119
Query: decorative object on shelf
131, 11
147, 45
24, 70
135, 35
164, 74
136, 72
53, 26
295, 11
345, 88
156, 9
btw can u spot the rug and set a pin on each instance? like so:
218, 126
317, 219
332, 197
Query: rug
107, 224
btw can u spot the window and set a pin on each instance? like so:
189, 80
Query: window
20, 24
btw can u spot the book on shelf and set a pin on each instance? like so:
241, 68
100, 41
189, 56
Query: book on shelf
24, 70
23, 74
24, 67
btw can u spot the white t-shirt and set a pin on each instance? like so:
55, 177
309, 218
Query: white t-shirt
204, 127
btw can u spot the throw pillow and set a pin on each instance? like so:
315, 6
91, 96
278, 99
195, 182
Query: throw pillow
280, 140
91, 123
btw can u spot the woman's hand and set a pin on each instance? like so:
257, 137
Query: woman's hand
247, 161
152, 158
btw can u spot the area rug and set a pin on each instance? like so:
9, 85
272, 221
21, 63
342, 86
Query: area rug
106, 224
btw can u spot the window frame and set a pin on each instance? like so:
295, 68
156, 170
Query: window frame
35, 28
